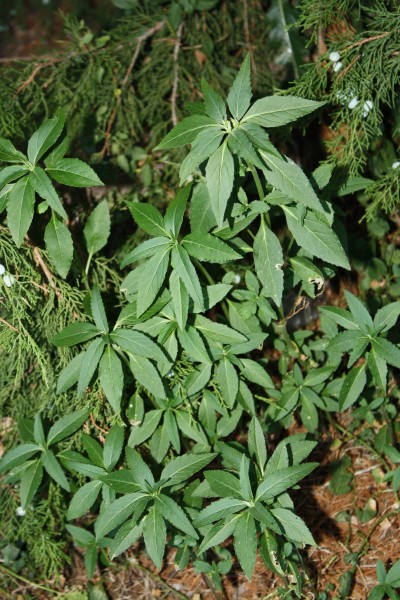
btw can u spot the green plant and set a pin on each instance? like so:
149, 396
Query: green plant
183, 348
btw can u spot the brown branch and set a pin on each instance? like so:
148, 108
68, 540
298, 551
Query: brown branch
139, 41
175, 83
97, 426
9, 325
39, 260
367, 40
30, 78
353, 62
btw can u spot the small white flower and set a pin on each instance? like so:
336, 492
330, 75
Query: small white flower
2, 269
278, 266
368, 105
353, 103
170, 374
8, 280
334, 56
20, 512
365, 113
337, 66
396, 164
237, 279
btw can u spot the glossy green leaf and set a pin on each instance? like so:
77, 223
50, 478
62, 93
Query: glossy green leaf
59, 245
111, 378
74, 173
97, 228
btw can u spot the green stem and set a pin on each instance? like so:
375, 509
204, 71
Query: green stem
204, 271
28, 582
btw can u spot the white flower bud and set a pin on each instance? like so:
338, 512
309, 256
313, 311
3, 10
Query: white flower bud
237, 279
2, 269
337, 66
170, 374
20, 512
368, 105
334, 56
396, 164
8, 280
353, 103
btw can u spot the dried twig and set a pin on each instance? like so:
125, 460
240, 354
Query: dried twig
175, 82
9, 325
46, 271
139, 41
353, 62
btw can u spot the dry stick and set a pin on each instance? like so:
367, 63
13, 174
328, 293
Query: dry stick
174, 92
353, 62
9, 325
367, 40
49, 277
28, 582
139, 41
